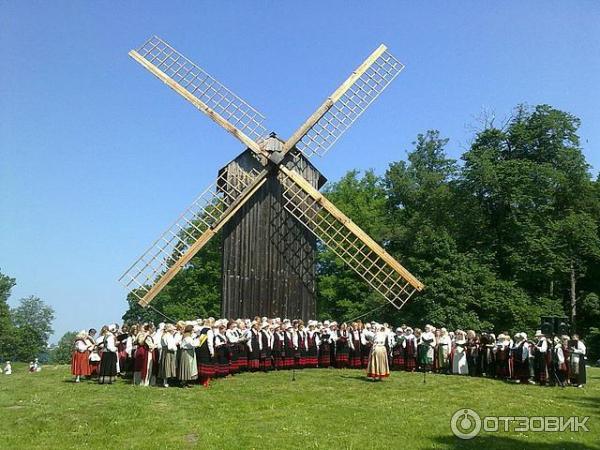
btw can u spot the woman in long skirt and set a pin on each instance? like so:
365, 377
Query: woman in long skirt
325, 347
378, 367
398, 351
108, 364
167, 367
577, 351
342, 347
187, 371
266, 338
221, 352
205, 354
80, 365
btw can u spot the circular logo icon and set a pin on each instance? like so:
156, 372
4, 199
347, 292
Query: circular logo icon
465, 424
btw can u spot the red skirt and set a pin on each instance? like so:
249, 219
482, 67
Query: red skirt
411, 363
80, 365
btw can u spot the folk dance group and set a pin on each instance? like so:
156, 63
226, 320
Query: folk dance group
192, 352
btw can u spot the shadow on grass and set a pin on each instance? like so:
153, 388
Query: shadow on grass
489, 442
359, 378
586, 402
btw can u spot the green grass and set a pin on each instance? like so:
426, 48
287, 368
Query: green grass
323, 409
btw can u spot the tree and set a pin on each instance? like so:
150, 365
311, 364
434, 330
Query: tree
6, 285
194, 292
32, 321
61, 353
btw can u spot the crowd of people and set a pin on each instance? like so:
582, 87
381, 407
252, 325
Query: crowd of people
195, 352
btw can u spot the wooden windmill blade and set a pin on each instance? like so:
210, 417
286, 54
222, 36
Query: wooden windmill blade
202, 90
189, 233
327, 124
351, 244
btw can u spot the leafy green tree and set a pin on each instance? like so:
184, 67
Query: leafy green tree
32, 321
61, 353
6, 285
194, 292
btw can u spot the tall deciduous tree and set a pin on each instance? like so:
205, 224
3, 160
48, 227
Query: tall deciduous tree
32, 321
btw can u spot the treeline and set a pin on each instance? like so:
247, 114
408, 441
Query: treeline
24, 330
506, 234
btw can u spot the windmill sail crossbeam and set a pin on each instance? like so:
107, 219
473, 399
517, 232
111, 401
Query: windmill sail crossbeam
204, 87
347, 241
348, 103
172, 247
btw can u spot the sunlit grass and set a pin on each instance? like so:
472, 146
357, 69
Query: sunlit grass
322, 408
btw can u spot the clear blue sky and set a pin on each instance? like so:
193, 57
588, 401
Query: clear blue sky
97, 157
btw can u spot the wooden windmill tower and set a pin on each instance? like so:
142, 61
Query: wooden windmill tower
267, 201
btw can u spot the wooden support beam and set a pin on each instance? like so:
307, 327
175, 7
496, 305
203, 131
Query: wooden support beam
212, 114
203, 239
328, 103
353, 228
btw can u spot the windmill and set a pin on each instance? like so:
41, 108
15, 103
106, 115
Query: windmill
266, 202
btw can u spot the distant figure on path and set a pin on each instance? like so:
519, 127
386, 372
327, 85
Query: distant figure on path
34, 366
7, 368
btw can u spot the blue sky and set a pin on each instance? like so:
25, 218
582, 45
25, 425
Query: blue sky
97, 157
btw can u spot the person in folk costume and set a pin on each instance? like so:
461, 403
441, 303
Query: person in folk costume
472, 348
577, 371
126, 366
520, 358
157, 338
266, 339
121, 339
541, 353
390, 340
279, 348
232, 344
366, 342
167, 368
502, 357
378, 367
560, 361
107, 372
242, 347
342, 349
325, 345
178, 336
459, 358
417, 332
221, 350
187, 370
80, 365
313, 342
291, 346
143, 363
398, 350
302, 352
426, 349
7, 368
254, 345
354, 346
487, 356
442, 350
205, 352
410, 350
94, 357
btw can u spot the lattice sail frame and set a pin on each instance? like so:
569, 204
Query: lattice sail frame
382, 272
350, 102
203, 87
178, 244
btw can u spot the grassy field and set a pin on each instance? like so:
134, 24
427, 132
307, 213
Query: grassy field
323, 409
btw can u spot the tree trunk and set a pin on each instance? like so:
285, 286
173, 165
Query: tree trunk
573, 297
551, 288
